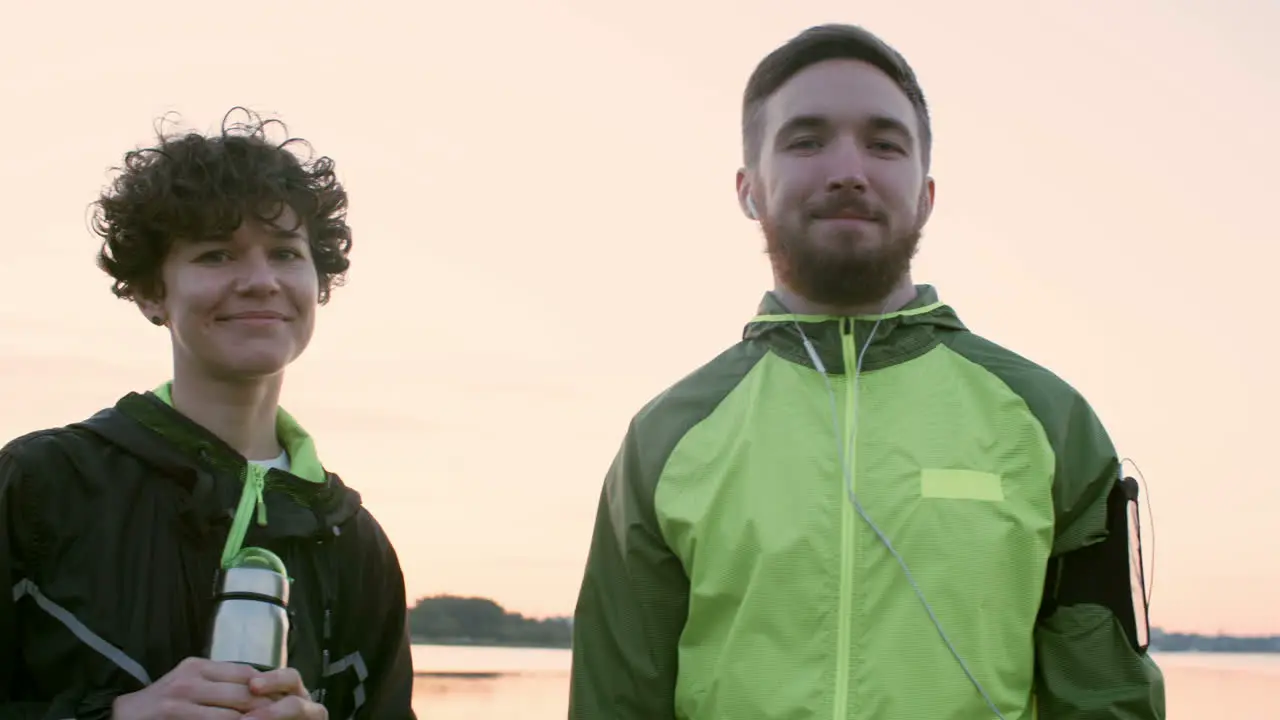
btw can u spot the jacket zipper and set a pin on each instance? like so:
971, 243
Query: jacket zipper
848, 538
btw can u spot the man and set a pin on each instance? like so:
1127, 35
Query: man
861, 511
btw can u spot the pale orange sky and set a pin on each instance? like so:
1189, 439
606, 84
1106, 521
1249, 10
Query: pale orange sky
546, 235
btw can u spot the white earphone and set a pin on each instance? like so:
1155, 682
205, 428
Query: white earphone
751, 209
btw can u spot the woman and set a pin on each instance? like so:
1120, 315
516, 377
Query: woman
112, 530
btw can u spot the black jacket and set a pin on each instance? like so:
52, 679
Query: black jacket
111, 532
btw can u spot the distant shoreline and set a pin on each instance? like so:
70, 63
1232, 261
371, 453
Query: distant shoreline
1167, 642
1167, 651
464, 642
455, 621
531, 646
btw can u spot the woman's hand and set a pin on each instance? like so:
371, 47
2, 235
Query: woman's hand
289, 698
197, 689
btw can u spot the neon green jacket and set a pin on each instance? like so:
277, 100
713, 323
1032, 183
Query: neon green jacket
732, 577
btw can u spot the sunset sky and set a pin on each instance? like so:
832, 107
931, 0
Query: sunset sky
546, 235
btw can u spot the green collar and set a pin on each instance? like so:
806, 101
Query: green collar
899, 336
304, 461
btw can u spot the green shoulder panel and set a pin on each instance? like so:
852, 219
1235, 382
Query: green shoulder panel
634, 595
1084, 454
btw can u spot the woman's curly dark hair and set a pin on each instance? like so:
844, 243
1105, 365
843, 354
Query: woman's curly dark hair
192, 186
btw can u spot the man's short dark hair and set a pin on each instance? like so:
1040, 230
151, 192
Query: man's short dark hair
815, 45
198, 187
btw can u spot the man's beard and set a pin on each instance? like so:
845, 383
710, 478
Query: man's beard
845, 274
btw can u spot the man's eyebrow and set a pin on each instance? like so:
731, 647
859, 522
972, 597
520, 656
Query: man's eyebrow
892, 124
882, 123
802, 122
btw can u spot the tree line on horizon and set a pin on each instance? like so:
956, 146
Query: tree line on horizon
1162, 641
456, 620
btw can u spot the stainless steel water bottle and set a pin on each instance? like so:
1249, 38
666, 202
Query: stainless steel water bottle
250, 616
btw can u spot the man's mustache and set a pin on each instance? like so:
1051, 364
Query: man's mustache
846, 205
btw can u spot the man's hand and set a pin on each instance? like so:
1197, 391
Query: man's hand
289, 698
197, 689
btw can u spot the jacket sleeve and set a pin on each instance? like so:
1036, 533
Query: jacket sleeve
632, 603
1091, 647
21, 536
390, 685
11, 575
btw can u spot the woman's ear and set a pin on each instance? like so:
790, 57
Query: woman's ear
152, 311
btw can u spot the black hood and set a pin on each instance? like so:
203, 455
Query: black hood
212, 472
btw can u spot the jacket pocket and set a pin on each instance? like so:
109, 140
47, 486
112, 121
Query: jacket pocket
949, 484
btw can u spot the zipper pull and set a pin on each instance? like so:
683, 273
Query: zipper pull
259, 482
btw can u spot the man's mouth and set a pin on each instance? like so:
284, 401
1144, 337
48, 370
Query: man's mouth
847, 217
850, 212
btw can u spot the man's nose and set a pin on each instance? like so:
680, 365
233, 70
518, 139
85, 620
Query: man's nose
848, 168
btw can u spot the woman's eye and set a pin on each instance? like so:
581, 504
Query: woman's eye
214, 256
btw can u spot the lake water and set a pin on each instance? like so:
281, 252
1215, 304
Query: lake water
519, 684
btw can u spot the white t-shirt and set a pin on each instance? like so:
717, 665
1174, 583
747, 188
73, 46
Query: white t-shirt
280, 462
